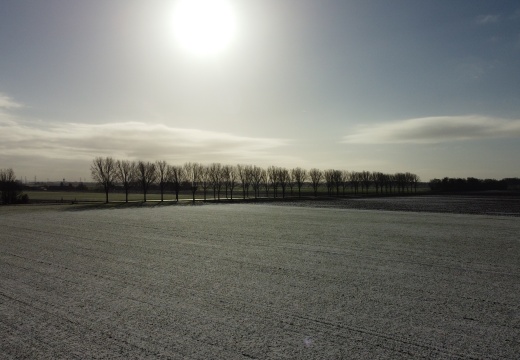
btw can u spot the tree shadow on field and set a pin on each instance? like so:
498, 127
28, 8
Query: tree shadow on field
129, 205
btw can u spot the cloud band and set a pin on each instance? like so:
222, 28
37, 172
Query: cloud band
431, 130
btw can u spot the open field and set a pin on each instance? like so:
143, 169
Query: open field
483, 204
257, 281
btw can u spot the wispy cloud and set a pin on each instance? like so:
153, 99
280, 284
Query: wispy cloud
429, 130
7, 103
487, 19
130, 140
57, 150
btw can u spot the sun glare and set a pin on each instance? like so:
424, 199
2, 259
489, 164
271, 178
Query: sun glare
204, 26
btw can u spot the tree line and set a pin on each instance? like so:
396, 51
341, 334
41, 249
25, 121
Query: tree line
10, 189
473, 184
251, 180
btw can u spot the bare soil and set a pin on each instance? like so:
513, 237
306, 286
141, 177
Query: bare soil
249, 281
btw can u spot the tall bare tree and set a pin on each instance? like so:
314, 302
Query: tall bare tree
145, 176
272, 174
249, 178
400, 182
283, 178
344, 180
242, 171
366, 180
256, 179
125, 174
378, 179
228, 177
316, 176
162, 176
291, 182
387, 182
231, 174
103, 171
355, 179
414, 179
338, 178
205, 179
264, 181
193, 173
215, 174
329, 180
176, 177
299, 175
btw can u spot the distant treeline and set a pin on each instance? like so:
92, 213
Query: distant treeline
473, 184
250, 181
10, 189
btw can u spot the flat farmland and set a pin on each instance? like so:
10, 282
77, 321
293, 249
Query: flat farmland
257, 281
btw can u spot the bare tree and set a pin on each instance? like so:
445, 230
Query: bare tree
299, 175
378, 179
103, 171
291, 182
406, 182
232, 179
176, 177
125, 173
344, 180
193, 173
243, 175
400, 182
392, 183
264, 180
329, 180
215, 174
414, 179
283, 178
355, 179
338, 178
316, 176
145, 176
256, 179
205, 179
231, 176
385, 182
162, 176
249, 178
272, 173
366, 180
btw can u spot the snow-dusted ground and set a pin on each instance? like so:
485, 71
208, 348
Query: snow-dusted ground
257, 281
456, 204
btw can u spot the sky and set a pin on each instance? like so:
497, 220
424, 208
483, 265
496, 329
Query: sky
431, 87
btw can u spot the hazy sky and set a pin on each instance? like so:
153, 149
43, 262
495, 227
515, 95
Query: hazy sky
431, 87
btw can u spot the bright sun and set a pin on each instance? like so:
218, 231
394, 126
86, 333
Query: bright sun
204, 26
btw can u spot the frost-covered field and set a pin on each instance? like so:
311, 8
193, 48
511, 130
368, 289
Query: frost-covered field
257, 281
